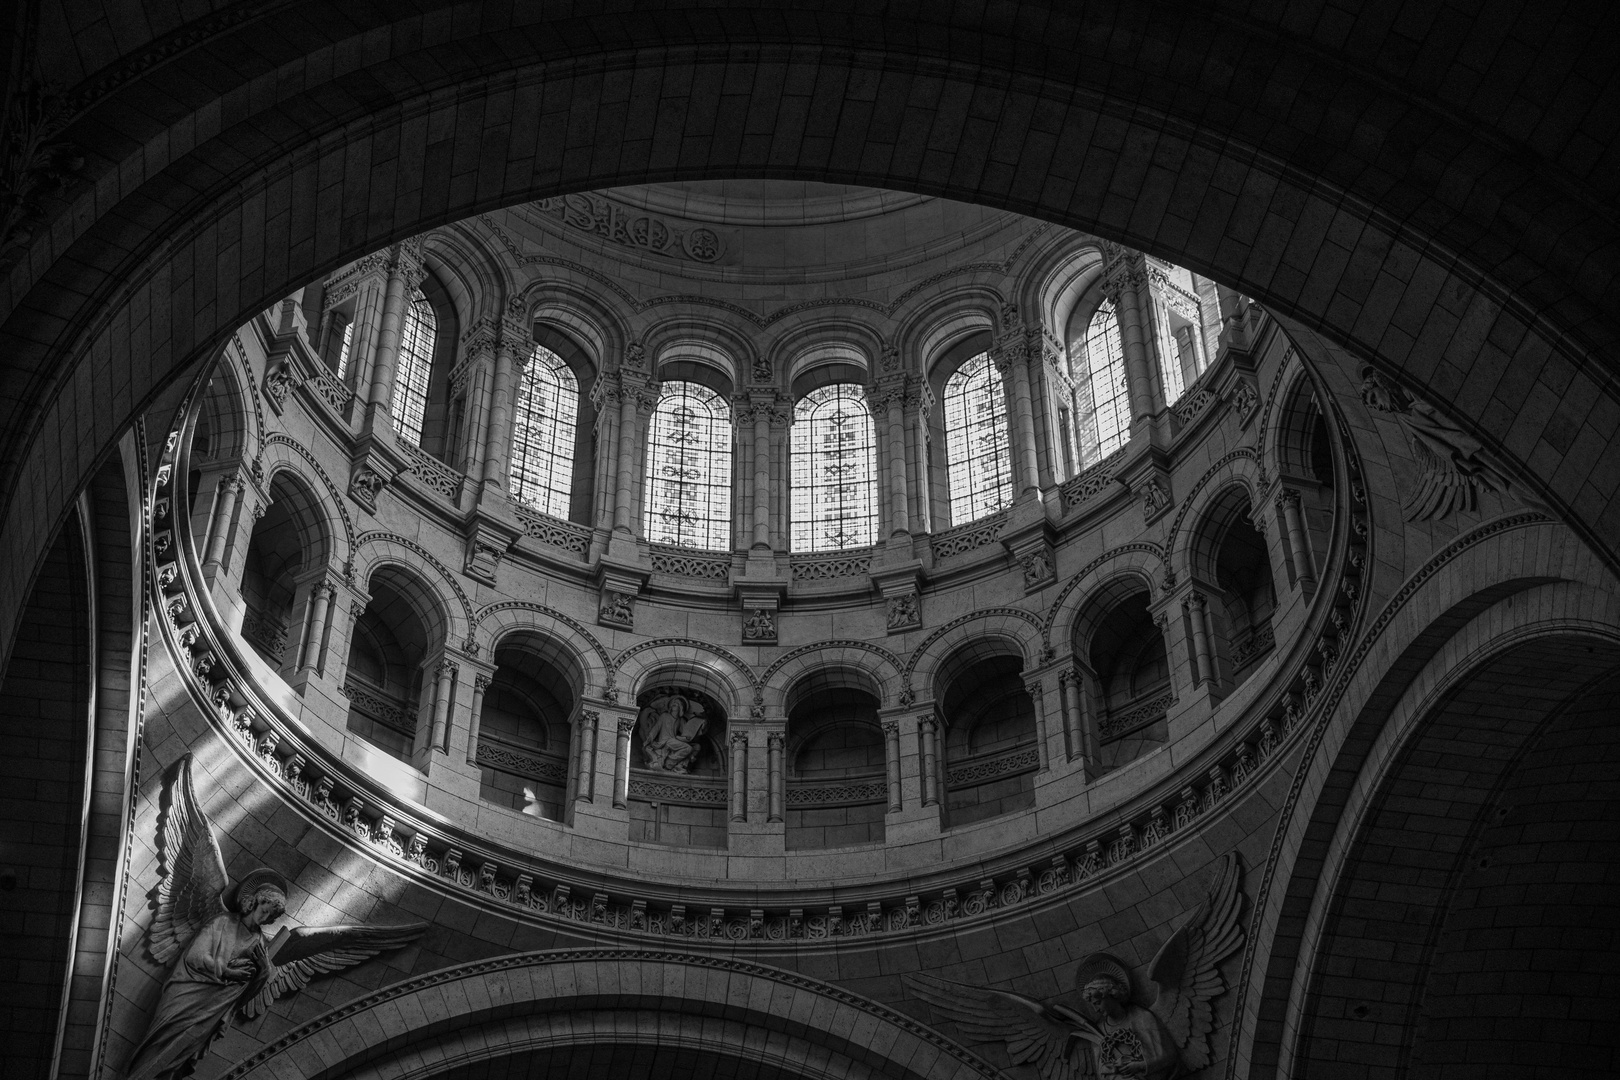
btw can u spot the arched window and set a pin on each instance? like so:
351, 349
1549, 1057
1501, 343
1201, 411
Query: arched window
416, 336
834, 470
542, 470
1104, 364
689, 468
977, 452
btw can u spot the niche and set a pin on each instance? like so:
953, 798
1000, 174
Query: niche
678, 791
385, 673
835, 790
523, 735
990, 757
1132, 693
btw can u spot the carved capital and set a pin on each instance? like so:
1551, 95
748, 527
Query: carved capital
627, 724
481, 683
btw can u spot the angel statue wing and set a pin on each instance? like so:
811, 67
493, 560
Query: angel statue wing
1045, 1036
297, 956
1185, 970
192, 877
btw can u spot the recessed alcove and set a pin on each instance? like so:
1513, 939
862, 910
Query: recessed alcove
990, 755
386, 673
836, 796
286, 552
523, 734
677, 795
1131, 688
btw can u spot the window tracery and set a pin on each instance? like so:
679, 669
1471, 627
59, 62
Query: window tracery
834, 454
1109, 425
689, 468
978, 451
417, 331
543, 428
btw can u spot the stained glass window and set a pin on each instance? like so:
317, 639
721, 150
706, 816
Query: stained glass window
689, 468
416, 335
977, 452
542, 469
343, 349
1105, 367
834, 470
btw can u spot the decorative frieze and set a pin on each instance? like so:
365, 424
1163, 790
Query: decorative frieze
591, 213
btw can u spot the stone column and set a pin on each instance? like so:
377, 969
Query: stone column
761, 415
891, 399
776, 777
621, 763
498, 445
475, 377
1009, 358
480, 687
1125, 282
739, 776
891, 764
633, 396
444, 677
1194, 605
224, 515
1070, 689
918, 407
313, 645
1037, 698
928, 737
1299, 551
401, 272
585, 755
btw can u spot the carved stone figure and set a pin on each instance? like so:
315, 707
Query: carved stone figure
365, 485
1118, 1030
618, 609
759, 626
1452, 462
1154, 499
1037, 567
670, 728
903, 612
223, 962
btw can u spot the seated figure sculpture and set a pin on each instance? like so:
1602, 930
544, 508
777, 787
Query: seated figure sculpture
670, 726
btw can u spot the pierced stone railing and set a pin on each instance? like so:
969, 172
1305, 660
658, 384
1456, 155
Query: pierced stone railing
685, 562
983, 770
1194, 403
1117, 725
827, 565
841, 792
1091, 483
438, 476
269, 637
1257, 645
690, 790
331, 389
534, 766
553, 531
380, 707
964, 538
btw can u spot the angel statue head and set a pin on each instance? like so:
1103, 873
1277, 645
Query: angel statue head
1104, 984
261, 897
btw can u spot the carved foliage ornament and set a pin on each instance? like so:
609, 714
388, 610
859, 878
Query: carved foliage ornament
222, 963
1120, 1030
33, 165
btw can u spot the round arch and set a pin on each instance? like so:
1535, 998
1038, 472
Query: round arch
577, 647
437, 600
705, 667
754, 1013
878, 668
1439, 626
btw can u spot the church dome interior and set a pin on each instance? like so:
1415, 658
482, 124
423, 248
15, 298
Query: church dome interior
896, 586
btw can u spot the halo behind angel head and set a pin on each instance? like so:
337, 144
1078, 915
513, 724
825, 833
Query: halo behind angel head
1102, 965
260, 878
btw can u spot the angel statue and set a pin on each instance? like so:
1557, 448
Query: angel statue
222, 959
1118, 1030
